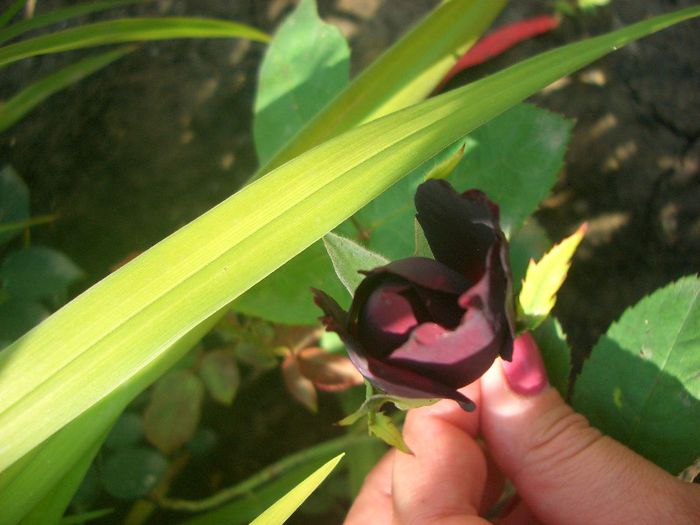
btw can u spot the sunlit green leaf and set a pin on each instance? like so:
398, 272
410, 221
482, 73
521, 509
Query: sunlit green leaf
515, 161
282, 509
126, 30
543, 280
640, 384
404, 75
305, 66
349, 258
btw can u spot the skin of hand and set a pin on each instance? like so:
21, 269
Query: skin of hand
565, 471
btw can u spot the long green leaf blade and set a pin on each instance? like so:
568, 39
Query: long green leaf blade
127, 30
18, 106
118, 333
58, 15
281, 510
11, 11
404, 75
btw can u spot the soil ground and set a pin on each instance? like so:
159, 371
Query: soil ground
141, 148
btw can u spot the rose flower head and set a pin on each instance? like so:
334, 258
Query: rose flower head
423, 328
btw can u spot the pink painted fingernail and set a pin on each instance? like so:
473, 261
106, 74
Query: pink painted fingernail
526, 374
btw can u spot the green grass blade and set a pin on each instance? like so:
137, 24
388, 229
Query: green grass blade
18, 106
11, 11
118, 335
57, 15
405, 74
282, 509
127, 30
40, 473
18, 226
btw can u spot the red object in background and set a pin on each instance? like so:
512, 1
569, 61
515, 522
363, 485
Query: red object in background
499, 41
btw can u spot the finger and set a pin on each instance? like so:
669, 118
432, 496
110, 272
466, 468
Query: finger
373, 503
495, 481
443, 481
518, 514
564, 469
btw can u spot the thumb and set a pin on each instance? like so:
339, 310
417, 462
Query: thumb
566, 471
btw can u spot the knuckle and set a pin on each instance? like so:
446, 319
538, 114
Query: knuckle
560, 439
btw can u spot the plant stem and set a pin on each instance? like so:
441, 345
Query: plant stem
328, 448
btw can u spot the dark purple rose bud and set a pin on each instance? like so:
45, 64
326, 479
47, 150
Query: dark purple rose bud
422, 328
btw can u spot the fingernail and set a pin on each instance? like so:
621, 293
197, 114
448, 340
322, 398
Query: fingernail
526, 374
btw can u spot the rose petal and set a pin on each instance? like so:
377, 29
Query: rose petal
385, 376
428, 273
455, 358
387, 318
460, 229
493, 294
398, 381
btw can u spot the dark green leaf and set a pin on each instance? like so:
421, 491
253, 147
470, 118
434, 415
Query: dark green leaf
516, 161
89, 489
203, 442
37, 273
383, 427
18, 316
174, 410
285, 296
14, 201
305, 66
388, 221
640, 384
556, 354
85, 517
11, 11
219, 372
529, 242
58, 15
421, 246
131, 473
349, 258
18, 106
126, 432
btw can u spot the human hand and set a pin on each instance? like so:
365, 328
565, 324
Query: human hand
565, 471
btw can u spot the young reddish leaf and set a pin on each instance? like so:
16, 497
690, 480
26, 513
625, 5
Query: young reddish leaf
301, 388
329, 372
219, 372
172, 414
499, 41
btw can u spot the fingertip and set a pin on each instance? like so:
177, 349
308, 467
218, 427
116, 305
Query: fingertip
374, 501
